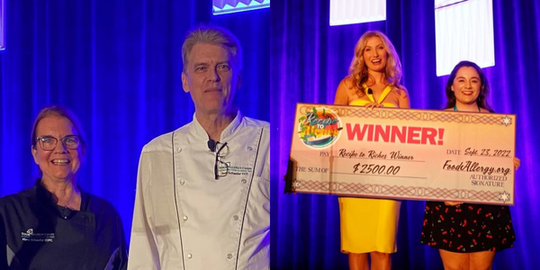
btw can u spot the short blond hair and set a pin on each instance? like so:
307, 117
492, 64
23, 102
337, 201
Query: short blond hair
212, 35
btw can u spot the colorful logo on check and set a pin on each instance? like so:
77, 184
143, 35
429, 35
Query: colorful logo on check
319, 127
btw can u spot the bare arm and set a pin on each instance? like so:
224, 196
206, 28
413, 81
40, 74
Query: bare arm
342, 95
404, 101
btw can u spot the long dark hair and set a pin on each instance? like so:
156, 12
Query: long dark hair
484, 89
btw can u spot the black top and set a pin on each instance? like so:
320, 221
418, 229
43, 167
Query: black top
35, 233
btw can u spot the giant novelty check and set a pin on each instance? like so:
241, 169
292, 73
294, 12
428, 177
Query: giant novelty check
403, 154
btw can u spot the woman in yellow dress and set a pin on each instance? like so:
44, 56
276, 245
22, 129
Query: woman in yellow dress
369, 226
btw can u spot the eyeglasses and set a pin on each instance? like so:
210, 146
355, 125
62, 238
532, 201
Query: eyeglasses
221, 169
48, 143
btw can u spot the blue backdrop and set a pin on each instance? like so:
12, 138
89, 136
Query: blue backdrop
117, 65
309, 58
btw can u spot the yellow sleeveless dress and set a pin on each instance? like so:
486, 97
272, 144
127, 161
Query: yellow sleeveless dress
369, 225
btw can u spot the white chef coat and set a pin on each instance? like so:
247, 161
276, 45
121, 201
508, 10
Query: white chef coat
186, 219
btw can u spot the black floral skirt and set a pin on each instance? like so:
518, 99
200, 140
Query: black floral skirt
467, 227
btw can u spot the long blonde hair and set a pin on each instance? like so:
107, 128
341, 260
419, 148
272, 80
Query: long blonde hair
358, 69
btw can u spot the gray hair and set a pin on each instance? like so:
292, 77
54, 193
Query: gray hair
213, 35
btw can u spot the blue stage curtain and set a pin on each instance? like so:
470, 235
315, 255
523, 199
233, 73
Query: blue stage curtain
309, 58
117, 65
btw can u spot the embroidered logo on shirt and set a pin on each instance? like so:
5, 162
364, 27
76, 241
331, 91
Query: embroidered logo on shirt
223, 168
30, 236
236, 170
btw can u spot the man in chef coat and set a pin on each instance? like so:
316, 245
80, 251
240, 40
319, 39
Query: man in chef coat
203, 190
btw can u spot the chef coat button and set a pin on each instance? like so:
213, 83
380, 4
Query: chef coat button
178, 149
235, 217
184, 218
250, 148
244, 181
182, 181
229, 256
189, 256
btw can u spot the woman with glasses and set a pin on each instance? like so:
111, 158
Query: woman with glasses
56, 225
